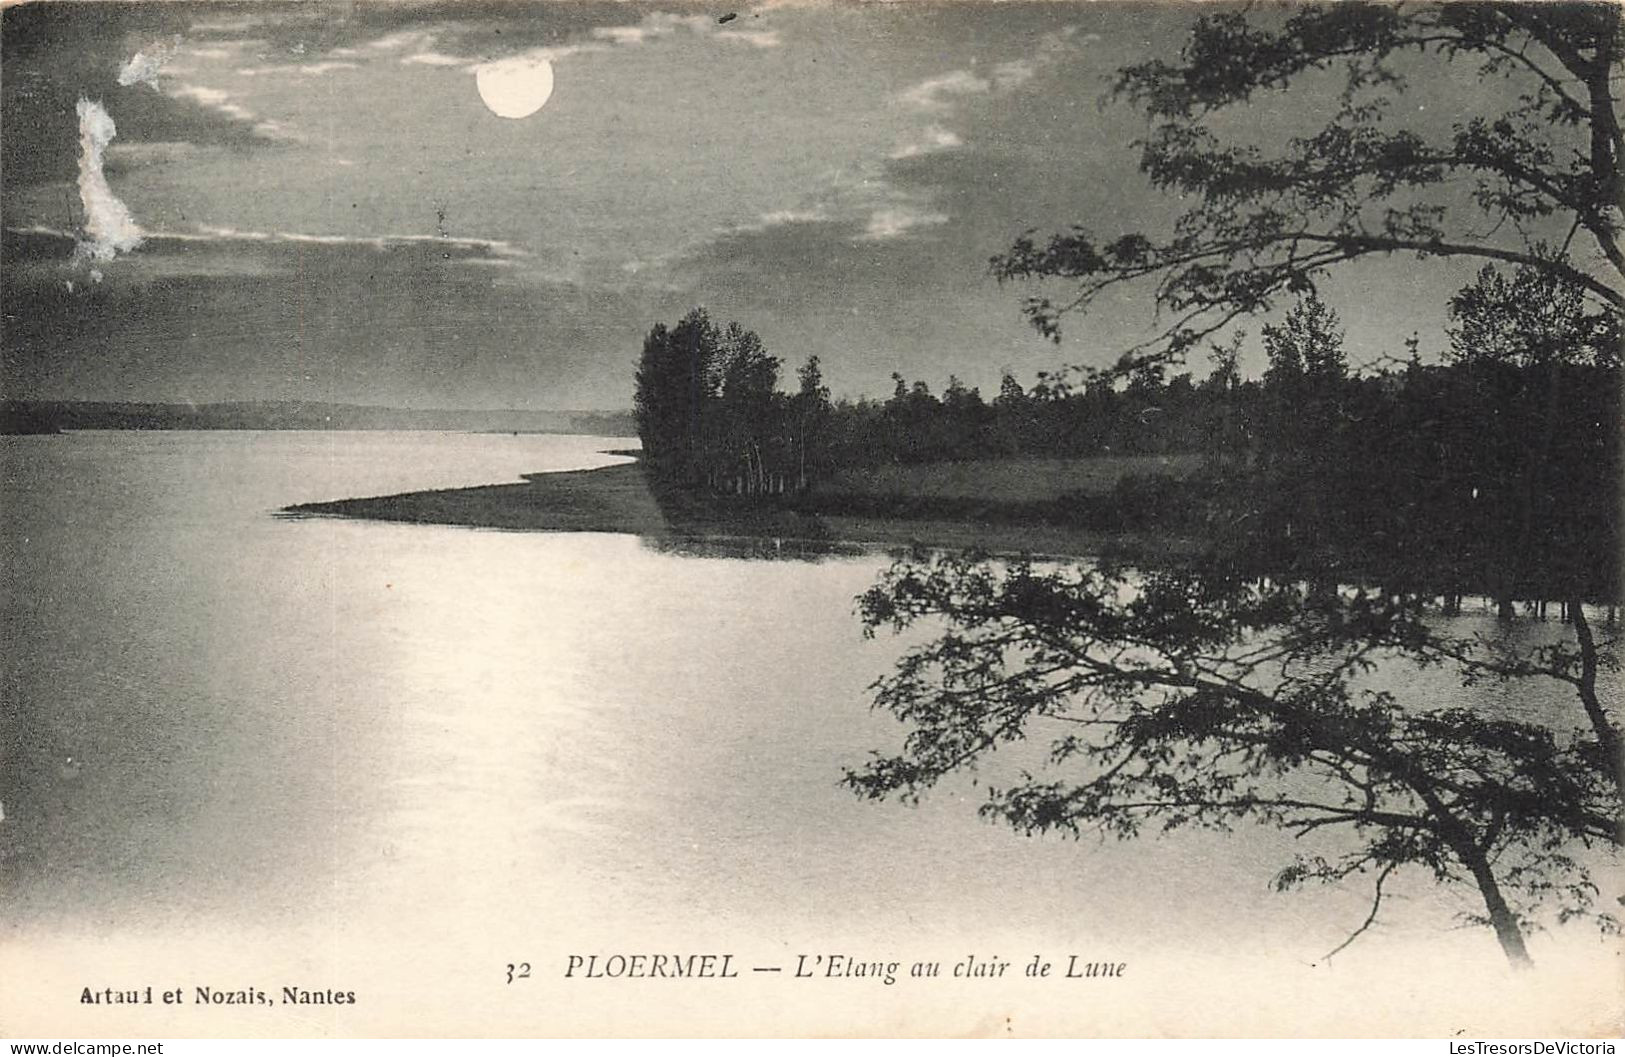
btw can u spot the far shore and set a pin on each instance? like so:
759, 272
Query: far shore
622, 499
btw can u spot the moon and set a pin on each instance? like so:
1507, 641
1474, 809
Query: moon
515, 88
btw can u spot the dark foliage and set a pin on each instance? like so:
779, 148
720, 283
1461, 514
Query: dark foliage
1262, 220
1204, 696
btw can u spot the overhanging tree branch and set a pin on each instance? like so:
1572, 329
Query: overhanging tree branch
1245, 242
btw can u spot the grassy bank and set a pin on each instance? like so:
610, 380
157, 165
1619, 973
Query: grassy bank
946, 505
1008, 480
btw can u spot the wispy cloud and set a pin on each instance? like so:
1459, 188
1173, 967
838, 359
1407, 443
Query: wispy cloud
221, 102
941, 95
214, 99
433, 58
428, 56
760, 38
306, 69
228, 24
109, 227
938, 93
622, 34
1013, 74
793, 216
776, 218
899, 220
934, 138
217, 52
395, 41
655, 24
152, 151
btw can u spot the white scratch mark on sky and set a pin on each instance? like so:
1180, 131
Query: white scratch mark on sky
143, 67
108, 224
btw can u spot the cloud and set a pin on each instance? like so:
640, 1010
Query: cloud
399, 40
221, 102
108, 224
793, 216
760, 38
550, 53
621, 34
773, 219
228, 24
208, 316
214, 99
656, 24
937, 93
307, 69
229, 50
858, 205
432, 58
944, 95
895, 221
1013, 74
152, 151
933, 139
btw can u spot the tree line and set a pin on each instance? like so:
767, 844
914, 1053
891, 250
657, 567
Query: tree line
1494, 472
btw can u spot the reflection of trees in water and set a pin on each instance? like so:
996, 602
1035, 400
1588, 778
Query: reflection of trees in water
1198, 697
752, 548
1513, 698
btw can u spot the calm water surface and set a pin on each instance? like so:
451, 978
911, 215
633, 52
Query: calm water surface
315, 736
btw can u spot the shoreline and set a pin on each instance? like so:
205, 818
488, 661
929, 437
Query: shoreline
621, 499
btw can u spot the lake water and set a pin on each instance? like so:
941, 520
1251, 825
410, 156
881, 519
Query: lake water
250, 750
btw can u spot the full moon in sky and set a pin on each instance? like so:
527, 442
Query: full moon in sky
515, 87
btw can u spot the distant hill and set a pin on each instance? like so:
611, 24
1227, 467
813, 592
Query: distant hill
51, 416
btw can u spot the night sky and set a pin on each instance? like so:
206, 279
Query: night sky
314, 202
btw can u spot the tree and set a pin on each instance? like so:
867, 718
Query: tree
678, 375
1307, 344
1011, 394
746, 413
655, 400
1547, 168
1012, 416
1225, 429
1226, 376
1531, 354
1534, 318
812, 411
1196, 697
